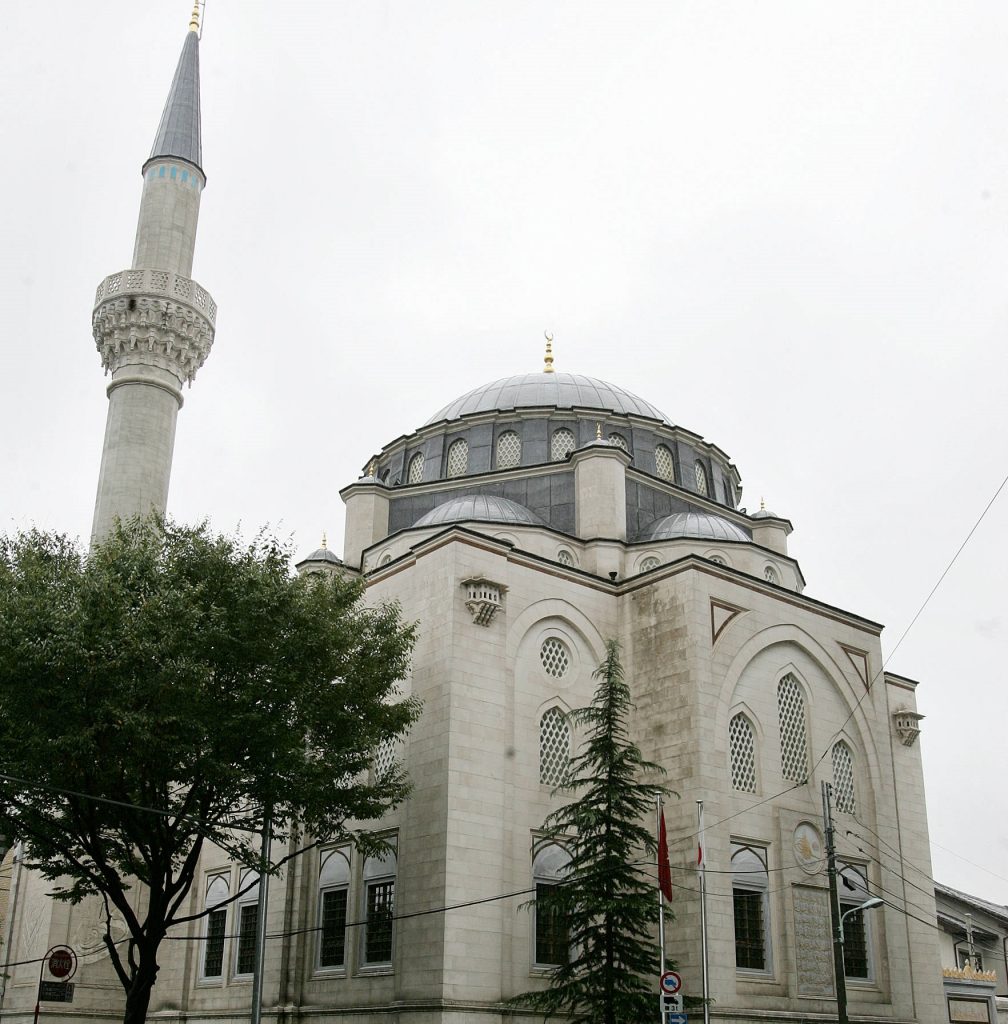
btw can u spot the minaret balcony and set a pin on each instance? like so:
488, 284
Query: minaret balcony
153, 317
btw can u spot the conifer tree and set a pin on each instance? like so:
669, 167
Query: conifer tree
608, 900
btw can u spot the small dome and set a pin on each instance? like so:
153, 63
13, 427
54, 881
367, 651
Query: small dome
480, 508
562, 390
700, 525
322, 555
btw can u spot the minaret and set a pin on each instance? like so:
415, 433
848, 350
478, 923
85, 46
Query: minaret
152, 323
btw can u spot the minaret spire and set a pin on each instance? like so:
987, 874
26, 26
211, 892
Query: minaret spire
152, 323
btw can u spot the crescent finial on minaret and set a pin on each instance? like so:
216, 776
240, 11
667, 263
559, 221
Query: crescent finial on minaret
194, 18
548, 360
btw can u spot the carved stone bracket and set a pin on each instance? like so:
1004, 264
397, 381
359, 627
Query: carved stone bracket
484, 599
156, 318
907, 725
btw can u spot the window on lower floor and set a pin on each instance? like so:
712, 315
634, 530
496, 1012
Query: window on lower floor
379, 909
856, 927
248, 916
217, 890
551, 935
750, 888
334, 887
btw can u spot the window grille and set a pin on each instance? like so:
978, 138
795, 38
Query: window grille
378, 940
770, 574
332, 943
751, 908
649, 563
508, 450
383, 758
718, 560
843, 778
415, 472
561, 444
564, 557
855, 946
551, 932
743, 754
458, 457
245, 963
794, 737
213, 956
554, 747
619, 441
663, 463
700, 475
554, 657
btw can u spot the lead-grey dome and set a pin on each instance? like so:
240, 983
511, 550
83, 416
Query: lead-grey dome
481, 508
698, 525
563, 390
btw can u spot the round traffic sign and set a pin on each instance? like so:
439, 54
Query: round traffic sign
62, 962
670, 983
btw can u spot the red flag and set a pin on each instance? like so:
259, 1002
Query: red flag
664, 869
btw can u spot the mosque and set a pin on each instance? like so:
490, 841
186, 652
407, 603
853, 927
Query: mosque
522, 525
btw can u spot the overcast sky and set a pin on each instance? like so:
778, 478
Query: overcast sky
785, 224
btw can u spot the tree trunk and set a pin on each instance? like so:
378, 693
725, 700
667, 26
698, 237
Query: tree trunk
139, 993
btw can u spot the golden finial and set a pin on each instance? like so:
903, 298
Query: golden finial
598, 431
371, 468
194, 20
762, 505
324, 545
548, 360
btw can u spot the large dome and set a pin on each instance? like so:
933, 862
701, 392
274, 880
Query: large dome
480, 508
563, 390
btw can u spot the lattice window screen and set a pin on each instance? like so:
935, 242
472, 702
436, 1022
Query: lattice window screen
700, 475
843, 778
663, 463
770, 574
718, 560
649, 563
561, 444
743, 754
384, 755
554, 657
415, 472
554, 747
565, 557
794, 736
458, 457
619, 441
508, 450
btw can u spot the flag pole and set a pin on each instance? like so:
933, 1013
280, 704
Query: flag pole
702, 868
661, 901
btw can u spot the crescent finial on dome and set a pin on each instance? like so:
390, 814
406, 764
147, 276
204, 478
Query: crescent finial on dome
548, 359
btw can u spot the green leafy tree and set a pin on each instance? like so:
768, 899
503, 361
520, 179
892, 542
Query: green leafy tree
181, 682
608, 899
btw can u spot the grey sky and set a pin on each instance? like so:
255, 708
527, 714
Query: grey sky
785, 224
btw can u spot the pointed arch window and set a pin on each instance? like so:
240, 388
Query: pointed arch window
663, 463
379, 877
700, 475
508, 450
218, 890
334, 888
561, 444
414, 474
857, 948
458, 457
793, 729
843, 778
751, 905
742, 746
551, 933
554, 747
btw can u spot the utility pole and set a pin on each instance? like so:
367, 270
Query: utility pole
839, 973
260, 947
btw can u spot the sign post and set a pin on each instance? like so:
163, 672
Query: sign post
62, 964
671, 999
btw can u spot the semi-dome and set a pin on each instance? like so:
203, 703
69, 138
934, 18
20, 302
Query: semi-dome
480, 508
563, 390
698, 525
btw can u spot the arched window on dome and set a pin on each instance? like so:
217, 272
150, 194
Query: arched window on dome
566, 557
700, 475
770, 575
508, 450
458, 458
414, 474
742, 745
619, 441
664, 466
561, 444
550, 929
649, 563
554, 747
793, 729
843, 778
